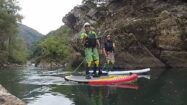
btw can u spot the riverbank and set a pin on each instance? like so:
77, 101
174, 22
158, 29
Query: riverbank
11, 65
8, 99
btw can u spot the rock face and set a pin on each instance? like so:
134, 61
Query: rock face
8, 99
148, 33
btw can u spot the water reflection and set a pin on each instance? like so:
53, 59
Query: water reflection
89, 95
38, 87
43, 80
50, 99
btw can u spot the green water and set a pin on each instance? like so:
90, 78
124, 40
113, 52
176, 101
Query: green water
36, 87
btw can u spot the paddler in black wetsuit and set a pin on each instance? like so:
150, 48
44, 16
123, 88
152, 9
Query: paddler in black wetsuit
108, 51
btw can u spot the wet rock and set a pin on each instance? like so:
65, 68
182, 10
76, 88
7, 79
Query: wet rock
7, 99
175, 58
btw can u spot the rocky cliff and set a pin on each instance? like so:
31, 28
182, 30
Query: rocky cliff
148, 33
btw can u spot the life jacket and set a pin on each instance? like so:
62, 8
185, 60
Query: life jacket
90, 40
109, 46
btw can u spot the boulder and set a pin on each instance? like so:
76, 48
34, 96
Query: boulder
8, 99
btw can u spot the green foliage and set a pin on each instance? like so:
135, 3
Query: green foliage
19, 52
29, 35
56, 46
12, 48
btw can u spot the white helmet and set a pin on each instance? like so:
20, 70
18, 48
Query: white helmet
86, 24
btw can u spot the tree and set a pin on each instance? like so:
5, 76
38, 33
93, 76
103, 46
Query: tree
9, 17
56, 46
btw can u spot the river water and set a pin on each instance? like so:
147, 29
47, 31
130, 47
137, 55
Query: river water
45, 87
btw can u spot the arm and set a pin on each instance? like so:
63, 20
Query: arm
82, 37
98, 43
114, 46
104, 52
83, 41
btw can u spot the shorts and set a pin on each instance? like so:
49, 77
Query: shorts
91, 54
110, 57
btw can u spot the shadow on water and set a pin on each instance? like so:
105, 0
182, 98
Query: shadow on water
40, 87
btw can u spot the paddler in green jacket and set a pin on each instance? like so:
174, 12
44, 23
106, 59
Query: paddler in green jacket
90, 41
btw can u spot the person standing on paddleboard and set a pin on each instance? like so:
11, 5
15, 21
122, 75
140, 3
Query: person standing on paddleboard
90, 41
108, 51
